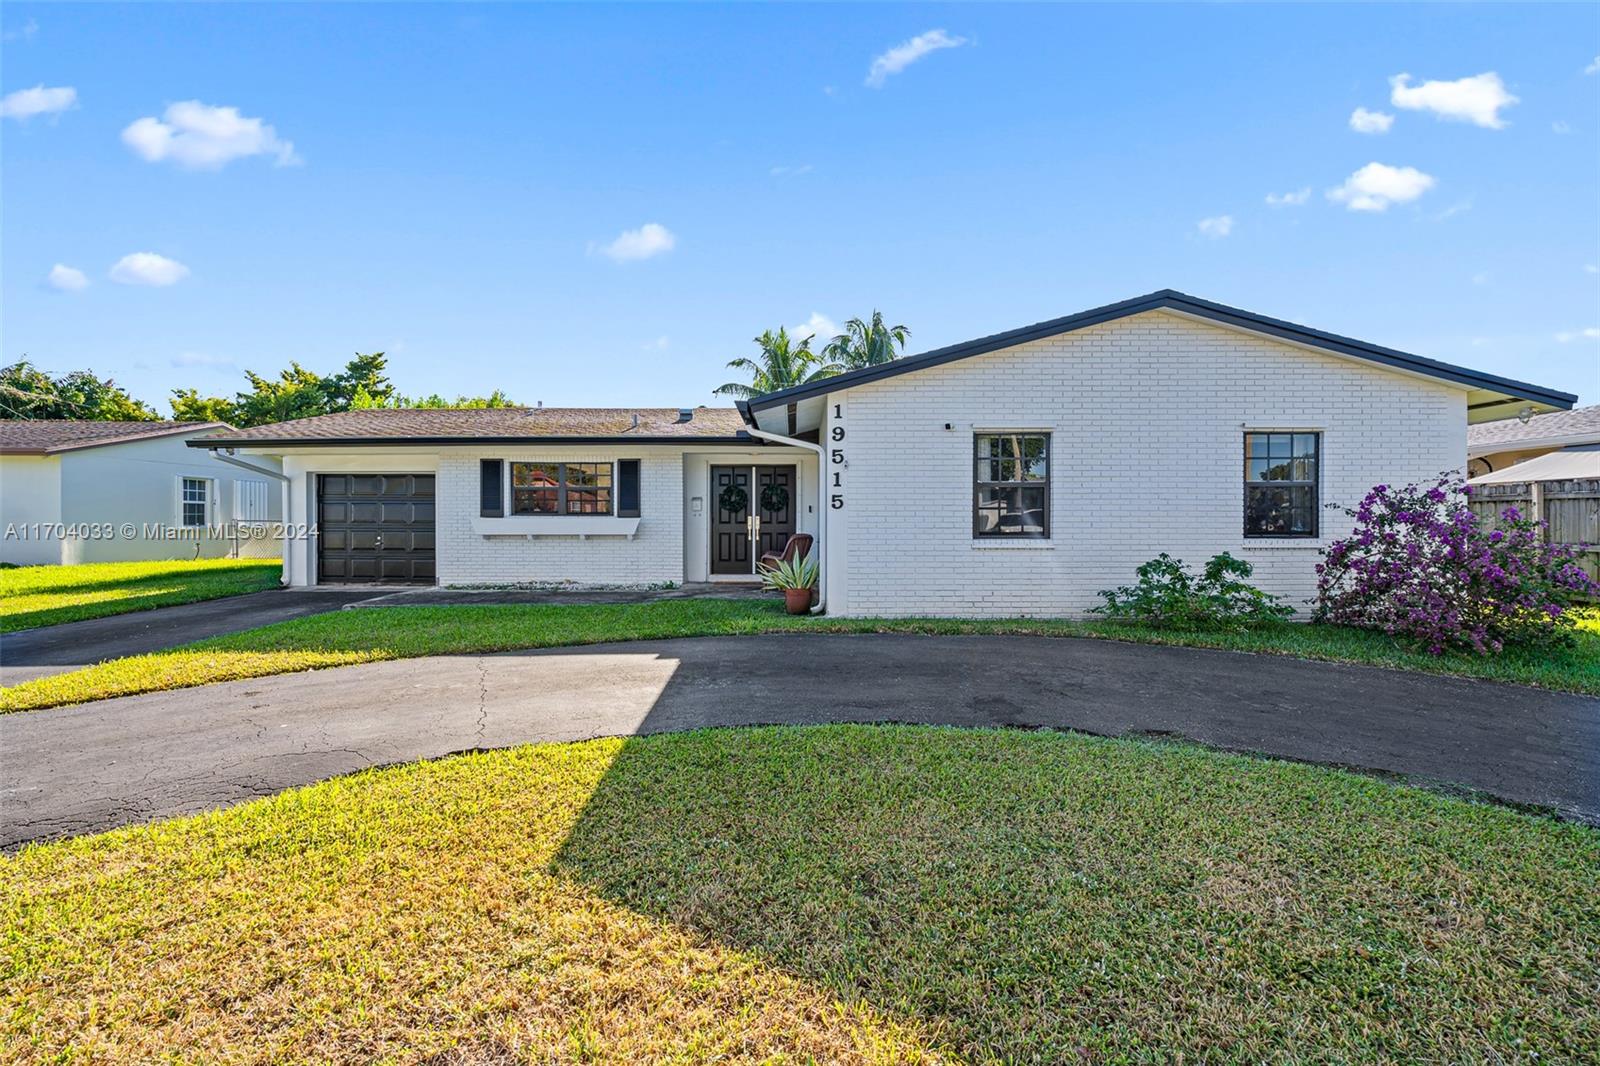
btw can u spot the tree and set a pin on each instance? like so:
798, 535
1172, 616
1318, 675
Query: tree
27, 392
365, 374
783, 363
866, 343
294, 393
189, 406
473, 403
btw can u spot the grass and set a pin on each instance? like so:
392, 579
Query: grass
347, 637
33, 596
836, 893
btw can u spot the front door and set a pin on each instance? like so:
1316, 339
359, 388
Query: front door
752, 513
775, 506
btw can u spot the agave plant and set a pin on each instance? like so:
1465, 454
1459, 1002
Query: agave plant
789, 574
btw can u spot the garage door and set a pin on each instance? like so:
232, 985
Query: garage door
375, 528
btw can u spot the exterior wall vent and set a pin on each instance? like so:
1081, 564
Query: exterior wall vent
685, 414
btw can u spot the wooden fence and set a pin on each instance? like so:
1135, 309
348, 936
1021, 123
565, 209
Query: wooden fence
1570, 509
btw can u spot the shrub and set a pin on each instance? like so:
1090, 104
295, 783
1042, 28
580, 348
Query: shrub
1169, 595
789, 574
1420, 567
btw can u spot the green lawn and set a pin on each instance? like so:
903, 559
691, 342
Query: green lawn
838, 893
370, 634
32, 596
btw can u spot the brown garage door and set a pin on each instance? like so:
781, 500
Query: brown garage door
375, 528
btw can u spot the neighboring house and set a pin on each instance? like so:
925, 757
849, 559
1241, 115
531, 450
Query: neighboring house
1016, 474
1493, 446
81, 492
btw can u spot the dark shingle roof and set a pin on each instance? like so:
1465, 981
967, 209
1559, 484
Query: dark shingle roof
48, 436
1170, 300
447, 426
1580, 422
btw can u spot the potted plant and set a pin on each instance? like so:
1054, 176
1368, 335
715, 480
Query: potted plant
795, 578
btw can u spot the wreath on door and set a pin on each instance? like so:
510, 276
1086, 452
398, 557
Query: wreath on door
733, 498
774, 497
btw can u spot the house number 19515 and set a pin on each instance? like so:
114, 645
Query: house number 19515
836, 456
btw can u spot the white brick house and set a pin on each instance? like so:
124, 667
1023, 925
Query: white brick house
1016, 474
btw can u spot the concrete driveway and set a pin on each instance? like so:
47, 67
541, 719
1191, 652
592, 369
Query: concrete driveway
78, 769
52, 649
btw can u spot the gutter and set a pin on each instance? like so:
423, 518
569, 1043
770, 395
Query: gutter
283, 498
822, 511
284, 443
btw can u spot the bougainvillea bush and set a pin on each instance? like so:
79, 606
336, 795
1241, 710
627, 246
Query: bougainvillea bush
1419, 566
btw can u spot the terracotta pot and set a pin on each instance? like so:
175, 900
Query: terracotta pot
797, 600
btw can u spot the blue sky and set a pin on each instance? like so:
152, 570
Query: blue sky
449, 183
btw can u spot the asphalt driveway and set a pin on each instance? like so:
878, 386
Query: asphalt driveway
79, 769
52, 649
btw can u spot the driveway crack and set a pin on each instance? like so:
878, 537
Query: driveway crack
483, 701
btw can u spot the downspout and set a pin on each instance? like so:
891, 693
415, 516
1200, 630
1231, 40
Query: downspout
283, 497
822, 511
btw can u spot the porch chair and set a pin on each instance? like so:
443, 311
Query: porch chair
798, 547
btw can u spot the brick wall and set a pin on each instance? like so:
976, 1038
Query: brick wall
654, 554
1147, 416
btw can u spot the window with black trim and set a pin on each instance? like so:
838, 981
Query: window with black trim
194, 499
1281, 475
1011, 485
560, 488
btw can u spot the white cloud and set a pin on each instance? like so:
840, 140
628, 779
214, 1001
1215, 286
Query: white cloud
1481, 278
1460, 207
1477, 99
202, 137
785, 171
650, 239
1375, 186
1593, 68
903, 55
818, 325
67, 279
187, 359
1592, 333
26, 32
1560, 126
1220, 226
26, 103
1289, 199
1591, 268
660, 344
148, 268
1364, 121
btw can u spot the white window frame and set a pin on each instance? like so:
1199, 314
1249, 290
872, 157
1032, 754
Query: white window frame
179, 501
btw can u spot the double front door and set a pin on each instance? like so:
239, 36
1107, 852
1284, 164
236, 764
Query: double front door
752, 513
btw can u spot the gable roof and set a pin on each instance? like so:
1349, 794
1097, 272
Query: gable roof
584, 425
1555, 428
51, 436
1172, 300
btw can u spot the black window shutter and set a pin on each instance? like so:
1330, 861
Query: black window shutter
490, 505
627, 488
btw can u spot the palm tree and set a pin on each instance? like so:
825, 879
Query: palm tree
863, 344
784, 362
